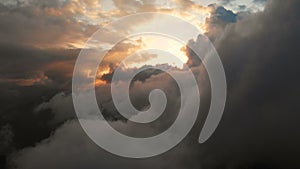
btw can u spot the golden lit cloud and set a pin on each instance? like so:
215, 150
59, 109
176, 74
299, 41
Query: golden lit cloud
69, 24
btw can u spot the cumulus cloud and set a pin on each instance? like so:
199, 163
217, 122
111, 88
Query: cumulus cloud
70, 141
61, 104
97, 157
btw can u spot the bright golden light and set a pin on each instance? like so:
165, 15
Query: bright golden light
156, 56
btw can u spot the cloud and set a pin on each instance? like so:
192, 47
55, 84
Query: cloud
70, 141
42, 28
38, 78
258, 53
6, 142
260, 1
222, 14
242, 7
61, 104
28, 66
226, 2
260, 124
39, 43
93, 156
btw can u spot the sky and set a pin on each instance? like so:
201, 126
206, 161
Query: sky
257, 42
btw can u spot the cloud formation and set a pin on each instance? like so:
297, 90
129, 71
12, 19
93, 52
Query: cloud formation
260, 56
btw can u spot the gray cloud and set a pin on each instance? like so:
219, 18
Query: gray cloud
62, 106
96, 157
260, 1
225, 2
6, 143
259, 56
260, 124
70, 141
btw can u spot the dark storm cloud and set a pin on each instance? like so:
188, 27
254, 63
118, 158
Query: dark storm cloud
27, 78
19, 63
259, 54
